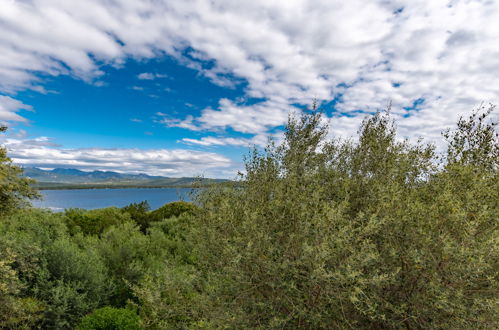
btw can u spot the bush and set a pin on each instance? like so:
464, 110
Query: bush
64, 274
94, 222
16, 312
173, 209
126, 254
139, 212
172, 236
109, 318
335, 234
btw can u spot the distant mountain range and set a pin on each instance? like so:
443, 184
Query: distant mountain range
69, 178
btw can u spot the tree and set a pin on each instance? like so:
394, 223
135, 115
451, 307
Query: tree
340, 234
15, 191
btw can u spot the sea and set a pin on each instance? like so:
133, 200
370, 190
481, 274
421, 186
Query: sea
59, 200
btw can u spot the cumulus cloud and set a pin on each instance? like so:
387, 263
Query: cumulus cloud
253, 119
364, 53
9, 108
42, 152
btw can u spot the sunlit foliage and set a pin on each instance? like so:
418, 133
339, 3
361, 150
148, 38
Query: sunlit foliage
319, 233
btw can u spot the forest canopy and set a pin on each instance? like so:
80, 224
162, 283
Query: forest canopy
318, 233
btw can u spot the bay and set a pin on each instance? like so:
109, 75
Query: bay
58, 200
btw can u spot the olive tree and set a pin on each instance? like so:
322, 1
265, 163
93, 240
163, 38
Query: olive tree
355, 234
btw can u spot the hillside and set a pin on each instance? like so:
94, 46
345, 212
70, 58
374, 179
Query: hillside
67, 178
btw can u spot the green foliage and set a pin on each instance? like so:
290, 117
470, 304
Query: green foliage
126, 253
109, 318
318, 234
14, 189
173, 209
56, 272
15, 311
173, 236
173, 298
74, 284
139, 212
337, 234
474, 142
94, 222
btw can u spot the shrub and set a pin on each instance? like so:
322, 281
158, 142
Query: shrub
109, 318
126, 254
371, 234
65, 275
173, 209
171, 237
16, 312
94, 222
139, 212
74, 283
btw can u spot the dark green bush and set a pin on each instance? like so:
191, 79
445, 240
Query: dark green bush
126, 254
109, 318
139, 213
65, 274
94, 222
173, 209
16, 311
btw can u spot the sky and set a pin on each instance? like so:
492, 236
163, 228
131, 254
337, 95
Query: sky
187, 87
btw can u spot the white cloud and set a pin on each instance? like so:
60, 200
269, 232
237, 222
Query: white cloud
445, 52
150, 76
9, 108
257, 140
253, 119
218, 141
42, 152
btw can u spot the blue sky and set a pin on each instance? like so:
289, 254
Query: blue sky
183, 88
125, 107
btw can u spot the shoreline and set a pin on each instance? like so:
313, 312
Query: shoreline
69, 187
62, 186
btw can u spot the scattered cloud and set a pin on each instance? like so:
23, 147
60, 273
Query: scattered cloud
186, 123
252, 119
42, 152
10, 107
150, 76
445, 53
13, 143
136, 120
257, 140
19, 134
215, 141
137, 88
100, 83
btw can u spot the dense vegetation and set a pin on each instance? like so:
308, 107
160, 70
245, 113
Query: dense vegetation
317, 234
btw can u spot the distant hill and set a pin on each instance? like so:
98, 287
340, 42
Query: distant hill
69, 178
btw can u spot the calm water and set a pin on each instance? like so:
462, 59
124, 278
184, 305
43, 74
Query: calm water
59, 200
